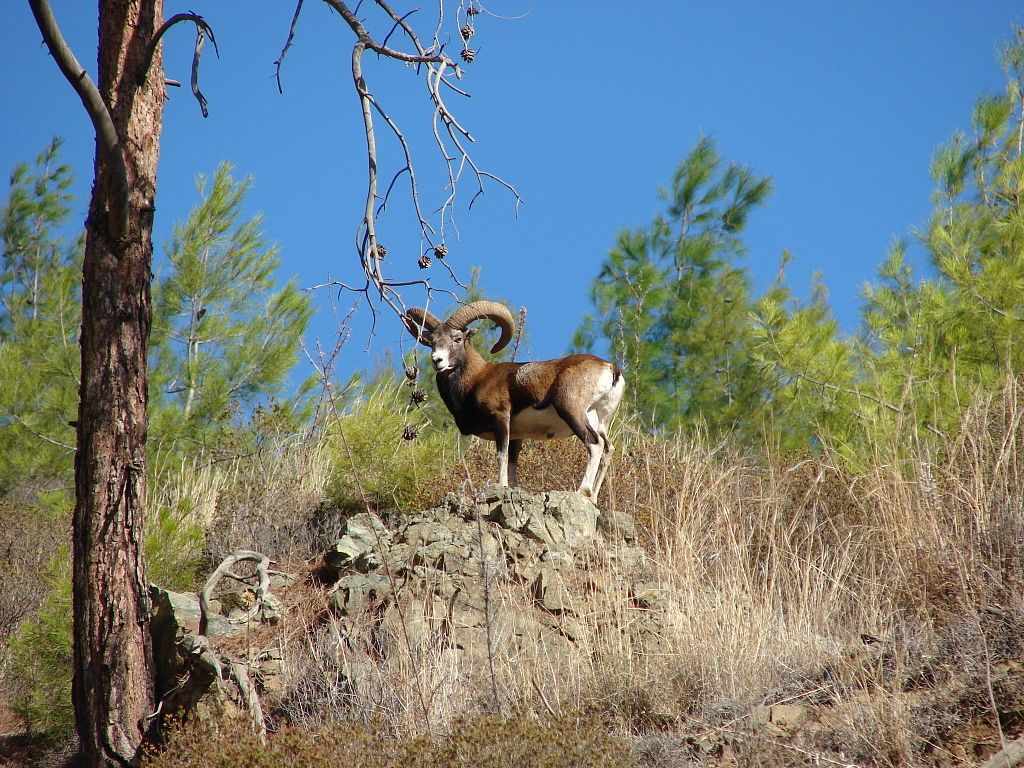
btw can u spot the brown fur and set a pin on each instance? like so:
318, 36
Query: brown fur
485, 398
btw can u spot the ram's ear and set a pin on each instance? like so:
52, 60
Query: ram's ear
471, 332
420, 324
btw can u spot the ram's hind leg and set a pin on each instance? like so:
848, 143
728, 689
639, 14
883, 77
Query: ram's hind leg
600, 415
606, 454
589, 437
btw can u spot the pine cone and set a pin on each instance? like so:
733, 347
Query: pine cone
424, 261
418, 396
411, 372
441, 251
468, 54
467, 31
381, 251
410, 432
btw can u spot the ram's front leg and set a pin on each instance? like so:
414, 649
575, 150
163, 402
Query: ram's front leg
501, 435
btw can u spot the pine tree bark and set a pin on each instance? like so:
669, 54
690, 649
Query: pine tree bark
113, 683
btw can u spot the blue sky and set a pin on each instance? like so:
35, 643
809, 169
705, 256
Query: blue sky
586, 107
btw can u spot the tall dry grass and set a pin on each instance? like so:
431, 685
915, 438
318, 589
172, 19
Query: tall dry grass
774, 583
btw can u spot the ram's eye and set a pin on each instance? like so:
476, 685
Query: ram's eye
457, 338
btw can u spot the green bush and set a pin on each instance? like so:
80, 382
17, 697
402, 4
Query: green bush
174, 546
386, 449
39, 652
38, 677
482, 742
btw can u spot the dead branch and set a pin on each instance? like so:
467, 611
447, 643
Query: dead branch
203, 30
287, 44
436, 65
106, 134
262, 589
240, 675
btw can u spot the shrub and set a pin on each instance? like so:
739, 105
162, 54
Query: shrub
483, 742
39, 654
373, 454
39, 674
34, 527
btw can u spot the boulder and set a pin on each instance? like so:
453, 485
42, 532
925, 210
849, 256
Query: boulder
506, 573
359, 547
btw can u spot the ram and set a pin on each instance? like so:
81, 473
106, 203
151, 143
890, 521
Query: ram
512, 402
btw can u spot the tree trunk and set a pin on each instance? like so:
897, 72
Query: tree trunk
113, 683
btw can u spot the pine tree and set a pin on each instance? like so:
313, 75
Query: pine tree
40, 311
223, 339
935, 345
672, 302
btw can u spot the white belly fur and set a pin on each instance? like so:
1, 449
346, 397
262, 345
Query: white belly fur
544, 424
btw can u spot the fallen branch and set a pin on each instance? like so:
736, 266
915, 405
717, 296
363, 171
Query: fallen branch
240, 676
224, 569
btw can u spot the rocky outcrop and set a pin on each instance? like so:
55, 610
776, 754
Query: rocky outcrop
472, 576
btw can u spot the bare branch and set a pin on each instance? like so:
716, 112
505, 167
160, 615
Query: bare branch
398, 22
92, 100
368, 42
200, 40
262, 590
39, 435
203, 30
287, 45
437, 65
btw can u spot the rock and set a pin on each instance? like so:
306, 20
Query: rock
356, 591
549, 591
176, 614
576, 516
513, 508
616, 525
281, 581
359, 547
461, 572
780, 719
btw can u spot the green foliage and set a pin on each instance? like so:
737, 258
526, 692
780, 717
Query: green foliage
673, 305
369, 451
480, 742
223, 338
928, 348
809, 373
174, 546
39, 319
40, 651
39, 673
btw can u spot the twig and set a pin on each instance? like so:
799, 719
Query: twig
203, 30
543, 698
200, 41
519, 332
21, 423
287, 45
488, 613
988, 687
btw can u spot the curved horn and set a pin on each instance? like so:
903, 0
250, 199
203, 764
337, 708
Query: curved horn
420, 324
489, 310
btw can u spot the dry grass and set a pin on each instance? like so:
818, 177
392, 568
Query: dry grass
770, 578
